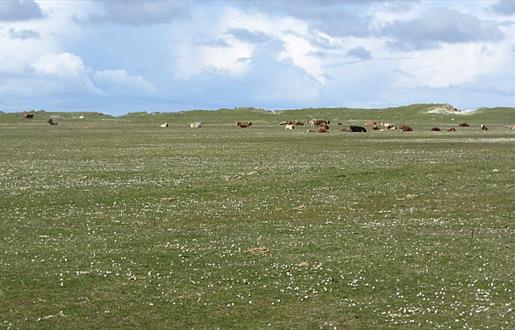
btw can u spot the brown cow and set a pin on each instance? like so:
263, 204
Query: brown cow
435, 129
512, 126
27, 115
242, 124
483, 127
464, 125
452, 129
323, 129
406, 128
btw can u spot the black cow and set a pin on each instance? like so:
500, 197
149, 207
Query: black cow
354, 128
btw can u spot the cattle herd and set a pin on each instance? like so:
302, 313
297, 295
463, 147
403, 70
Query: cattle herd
319, 125
323, 126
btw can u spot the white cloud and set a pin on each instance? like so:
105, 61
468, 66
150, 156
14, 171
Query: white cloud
121, 81
451, 65
64, 65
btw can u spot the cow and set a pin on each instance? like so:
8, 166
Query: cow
435, 129
323, 129
512, 126
464, 125
388, 125
291, 122
242, 124
195, 124
164, 125
318, 122
354, 128
27, 115
406, 128
289, 126
483, 127
51, 121
370, 123
452, 129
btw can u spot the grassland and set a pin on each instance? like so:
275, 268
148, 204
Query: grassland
116, 223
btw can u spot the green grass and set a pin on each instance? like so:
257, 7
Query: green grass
117, 223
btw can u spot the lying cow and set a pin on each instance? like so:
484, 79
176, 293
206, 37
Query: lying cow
388, 125
51, 121
289, 126
484, 128
452, 129
291, 122
512, 126
464, 125
27, 115
354, 128
435, 129
195, 124
164, 125
406, 128
242, 124
318, 122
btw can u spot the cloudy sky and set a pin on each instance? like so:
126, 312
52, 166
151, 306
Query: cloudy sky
123, 56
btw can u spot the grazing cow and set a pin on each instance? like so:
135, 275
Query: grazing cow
27, 115
242, 124
289, 126
406, 128
435, 129
484, 128
452, 129
51, 121
464, 125
164, 125
354, 128
195, 124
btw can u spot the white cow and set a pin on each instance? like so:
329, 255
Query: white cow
164, 125
289, 126
195, 124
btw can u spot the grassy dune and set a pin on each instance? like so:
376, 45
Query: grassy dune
117, 223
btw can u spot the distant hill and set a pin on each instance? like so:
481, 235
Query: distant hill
438, 113
42, 115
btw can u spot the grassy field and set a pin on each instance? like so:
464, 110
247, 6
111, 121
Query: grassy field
117, 223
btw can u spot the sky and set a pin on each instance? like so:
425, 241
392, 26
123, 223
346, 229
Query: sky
125, 56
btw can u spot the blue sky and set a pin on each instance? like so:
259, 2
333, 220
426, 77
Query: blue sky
123, 56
